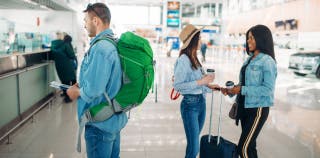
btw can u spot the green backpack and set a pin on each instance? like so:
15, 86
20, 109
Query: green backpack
136, 59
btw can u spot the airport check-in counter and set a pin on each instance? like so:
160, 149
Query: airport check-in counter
24, 87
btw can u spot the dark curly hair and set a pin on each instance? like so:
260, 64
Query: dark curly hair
263, 38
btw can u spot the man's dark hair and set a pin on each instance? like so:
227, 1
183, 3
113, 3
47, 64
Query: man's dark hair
263, 38
100, 10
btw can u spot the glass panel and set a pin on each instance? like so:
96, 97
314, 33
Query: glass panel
11, 41
6, 35
220, 9
213, 9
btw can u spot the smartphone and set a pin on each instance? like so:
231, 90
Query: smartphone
217, 88
58, 85
64, 87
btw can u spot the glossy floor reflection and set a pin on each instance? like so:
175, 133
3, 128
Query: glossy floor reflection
155, 129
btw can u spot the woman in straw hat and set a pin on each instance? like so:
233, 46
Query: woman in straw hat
193, 84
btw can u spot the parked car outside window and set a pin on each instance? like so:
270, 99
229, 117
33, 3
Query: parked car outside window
305, 62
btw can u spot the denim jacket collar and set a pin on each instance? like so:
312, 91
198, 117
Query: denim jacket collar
106, 31
259, 56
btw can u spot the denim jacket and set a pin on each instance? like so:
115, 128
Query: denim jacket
185, 78
101, 72
261, 74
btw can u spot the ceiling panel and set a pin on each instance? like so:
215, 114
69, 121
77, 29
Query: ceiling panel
15, 4
70, 5
33, 4
148, 2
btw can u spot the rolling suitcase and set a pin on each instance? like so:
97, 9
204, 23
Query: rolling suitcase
216, 146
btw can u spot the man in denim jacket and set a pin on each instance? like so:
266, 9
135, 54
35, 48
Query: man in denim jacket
100, 72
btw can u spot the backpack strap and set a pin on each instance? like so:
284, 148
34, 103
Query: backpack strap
114, 42
109, 38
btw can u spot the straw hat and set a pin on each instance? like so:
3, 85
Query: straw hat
187, 34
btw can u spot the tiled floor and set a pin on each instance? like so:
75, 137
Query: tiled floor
155, 129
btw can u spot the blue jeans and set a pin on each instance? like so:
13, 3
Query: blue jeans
193, 113
100, 144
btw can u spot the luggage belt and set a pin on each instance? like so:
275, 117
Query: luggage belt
84, 119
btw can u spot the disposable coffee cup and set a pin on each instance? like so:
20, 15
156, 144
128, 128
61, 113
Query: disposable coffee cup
229, 85
210, 71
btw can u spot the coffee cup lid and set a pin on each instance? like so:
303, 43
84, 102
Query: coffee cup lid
229, 83
210, 70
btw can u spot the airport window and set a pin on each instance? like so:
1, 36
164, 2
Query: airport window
198, 10
188, 10
234, 7
220, 9
213, 9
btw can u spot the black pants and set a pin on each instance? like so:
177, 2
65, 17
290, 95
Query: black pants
251, 124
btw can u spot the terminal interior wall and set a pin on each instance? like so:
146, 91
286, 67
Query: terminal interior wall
305, 11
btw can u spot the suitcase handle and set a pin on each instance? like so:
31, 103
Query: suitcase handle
210, 124
219, 123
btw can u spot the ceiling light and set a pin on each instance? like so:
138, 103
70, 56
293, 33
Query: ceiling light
30, 2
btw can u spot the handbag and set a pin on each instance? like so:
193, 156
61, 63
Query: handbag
174, 97
233, 111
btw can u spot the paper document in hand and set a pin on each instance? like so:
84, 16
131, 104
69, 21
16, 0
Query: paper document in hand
58, 85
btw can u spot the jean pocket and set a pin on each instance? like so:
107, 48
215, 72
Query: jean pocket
91, 140
109, 137
190, 99
91, 132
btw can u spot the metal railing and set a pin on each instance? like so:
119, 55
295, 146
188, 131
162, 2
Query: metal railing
7, 134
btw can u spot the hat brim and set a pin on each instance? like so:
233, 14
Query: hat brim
185, 45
